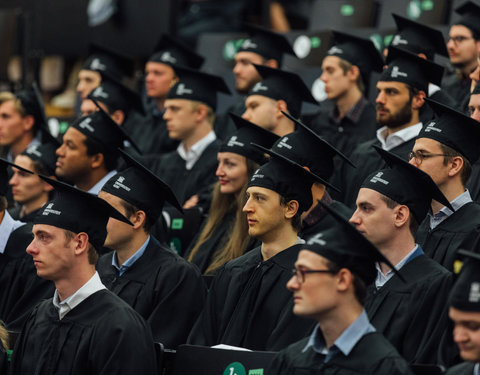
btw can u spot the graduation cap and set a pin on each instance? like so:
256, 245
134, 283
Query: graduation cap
78, 211
198, 86
247, 132
266, 43
345, 246
405, 184
418, 38
453, 129
407, 67
175, 53
358, 51
465, 294
307, 148
115, 95
45, 155
279, 84
138, 186
470, 16
105, 60
288, 178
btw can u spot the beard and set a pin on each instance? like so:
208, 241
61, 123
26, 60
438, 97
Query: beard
394, 120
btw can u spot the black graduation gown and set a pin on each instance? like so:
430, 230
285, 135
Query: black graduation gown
412, 315
367, 160
102, 335
458, 89
465, 368
473, 184
224, 126
372, 355
248, 305
162, 287
219, 238
3, 360
427, 114
457, 231
15, 214
186, 183
346, 135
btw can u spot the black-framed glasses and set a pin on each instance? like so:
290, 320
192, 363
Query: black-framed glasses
459, 39
300, 273
420, 155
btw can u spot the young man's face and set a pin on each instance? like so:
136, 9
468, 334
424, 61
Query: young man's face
12, 125
181, 117
474, 106
337, 81
246, 76
464, 51
73, 163
373, 218
52, 254
466, 333
231, 172
316, 295
394, 105
158, 79
88, 80
262, 111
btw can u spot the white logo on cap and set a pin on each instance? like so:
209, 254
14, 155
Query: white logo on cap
397, 73
259, 87
119, 184
431, 127
85, 124
397, 39
247, 43
283, 143
96, 64
317, 239
334, 50
48, 210
474, 295
167, 56
33, 151
181, 89
100, 93
233, 142
256, 175
378, 178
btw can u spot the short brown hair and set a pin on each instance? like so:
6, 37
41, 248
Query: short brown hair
346, 66
359, 286
413, 225
210, 111
450, 154
92, 252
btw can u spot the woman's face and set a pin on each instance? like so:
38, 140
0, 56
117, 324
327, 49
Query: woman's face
231, 172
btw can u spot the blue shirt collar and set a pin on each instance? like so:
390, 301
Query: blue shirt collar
345, 342
446, 212
130, 261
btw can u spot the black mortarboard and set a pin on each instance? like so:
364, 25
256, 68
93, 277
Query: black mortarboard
105, 60
198, 86
246, 133
465, 294
115, 95
4, 176
345, 246
175, 53
358, 51
307, 148
407, 67
418, 38
45, 155
405, 184
138, 186
470, 16
453, 129
287, 178
476, 89
268, 44
282, 85
78, 211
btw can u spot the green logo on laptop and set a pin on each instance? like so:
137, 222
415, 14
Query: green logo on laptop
177, 223
235, 368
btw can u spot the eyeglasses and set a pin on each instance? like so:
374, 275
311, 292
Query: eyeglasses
300, 273
459, 39
419, 156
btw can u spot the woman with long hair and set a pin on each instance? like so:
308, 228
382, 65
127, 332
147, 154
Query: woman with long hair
224, 236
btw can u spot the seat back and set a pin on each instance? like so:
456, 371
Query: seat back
342, 14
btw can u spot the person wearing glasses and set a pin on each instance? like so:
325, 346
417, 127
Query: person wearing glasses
329, 285
446, 148
463, 47
390, 205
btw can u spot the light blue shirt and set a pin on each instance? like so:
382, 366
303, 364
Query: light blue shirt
129, 262
7, 226
382, 278
476, 369
345, 342
95, 189
445, 212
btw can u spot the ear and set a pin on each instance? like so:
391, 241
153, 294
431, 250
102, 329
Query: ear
344, 280
201, 112
81, 243
97, 160
138, 219
456, 166
118, 116
28, 122
353, 73
418, 100
477, 44
271, 63
281, 105
402, 214
46, 186
291, 209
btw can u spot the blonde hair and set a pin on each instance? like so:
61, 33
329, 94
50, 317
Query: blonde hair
210, 113
4, 336
6, 96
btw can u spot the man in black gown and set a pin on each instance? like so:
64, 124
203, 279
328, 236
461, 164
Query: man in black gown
474, 110
161, 286
84, 328
329, 286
